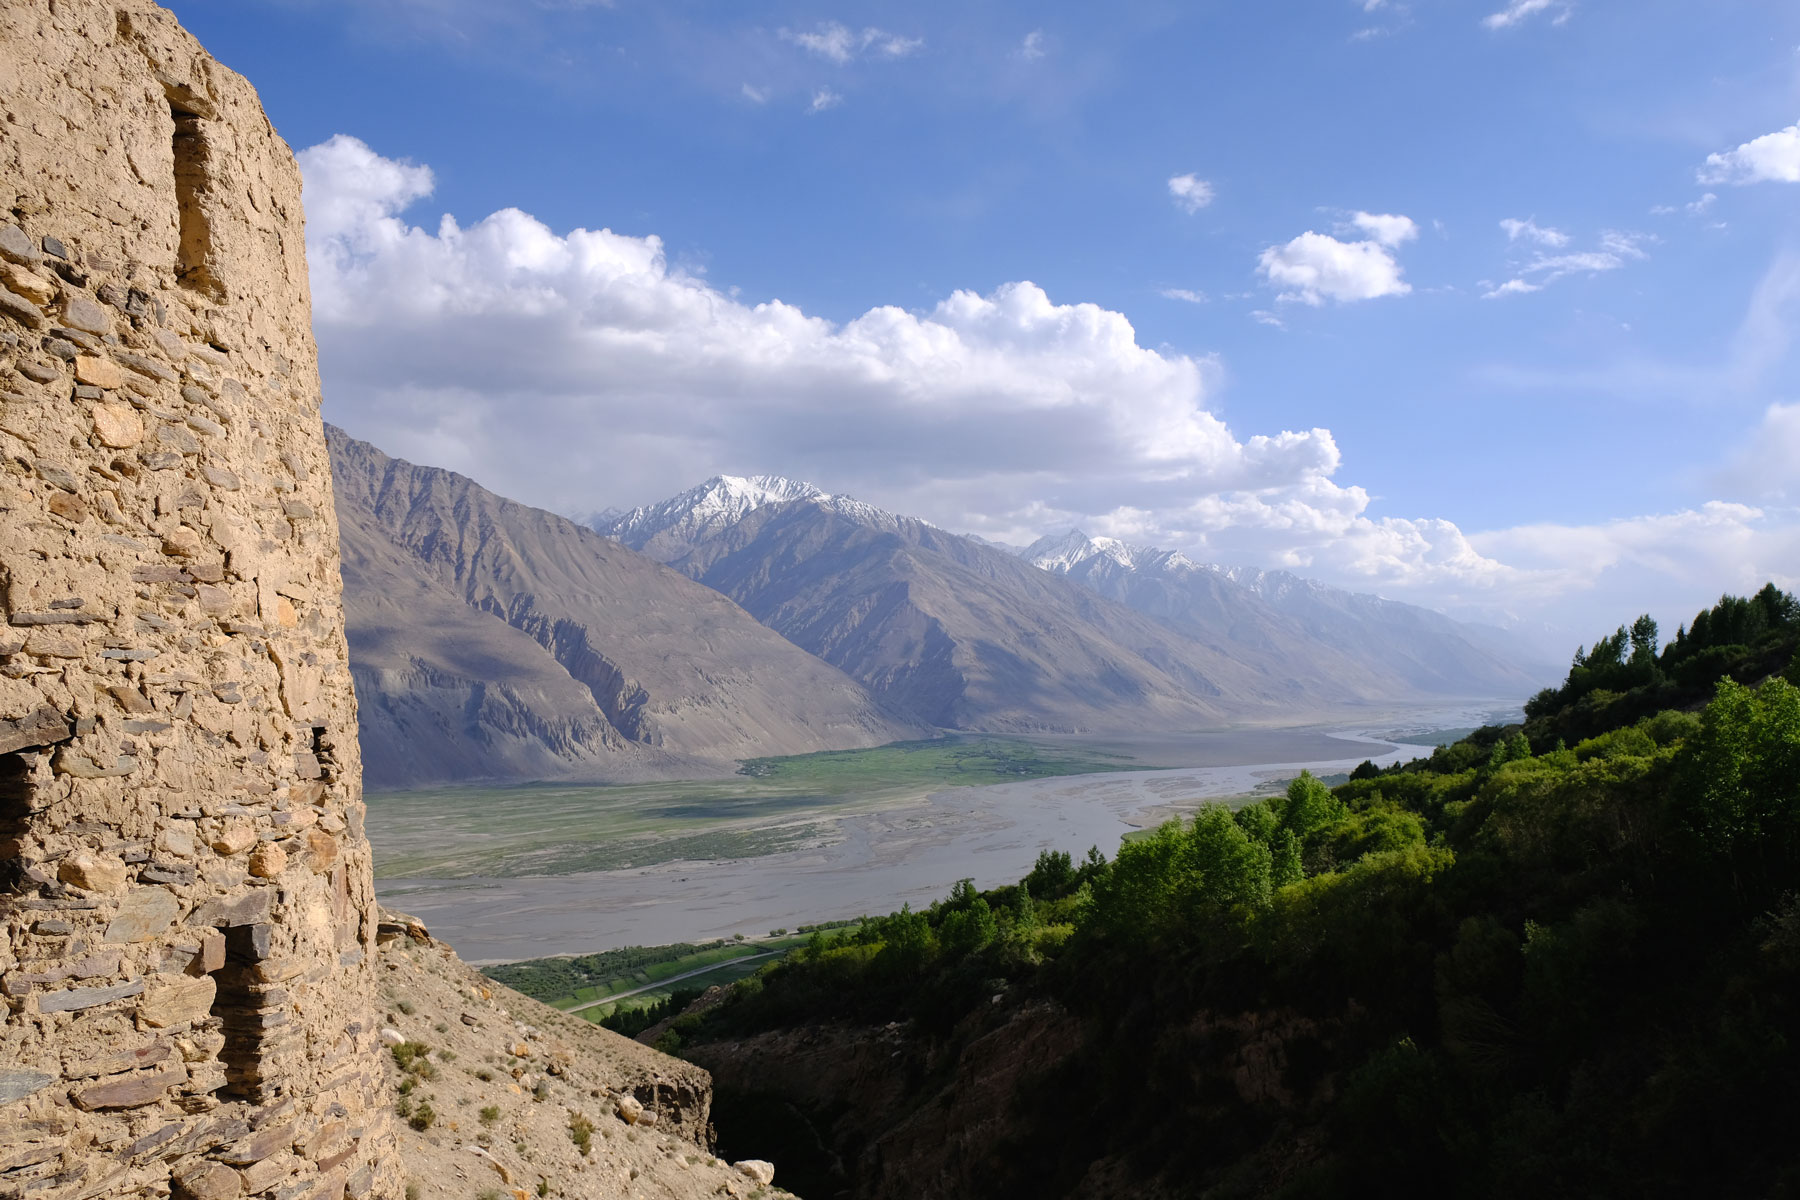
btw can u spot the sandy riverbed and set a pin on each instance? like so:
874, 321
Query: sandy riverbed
908, 852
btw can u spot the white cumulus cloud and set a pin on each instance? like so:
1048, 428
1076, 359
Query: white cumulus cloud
1190, 192
1771, 158
1032, 48
1316, 267
838, 43
579, 370
1386, 228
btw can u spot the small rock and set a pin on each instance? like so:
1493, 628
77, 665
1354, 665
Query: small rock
54, 246
760, 1170
130, 699
170, 344
215, 601
116, 425
177, 840
21, 310
392, 1037
15, 246
101, 373
268, 860
39, 372
81, 313
32, 286
208, 1181
630, 1110
57, 476
70, 508
235, 839
94, 872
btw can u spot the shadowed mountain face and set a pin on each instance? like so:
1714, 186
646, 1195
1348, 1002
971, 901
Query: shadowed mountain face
490, 640
964, 634
1404, 648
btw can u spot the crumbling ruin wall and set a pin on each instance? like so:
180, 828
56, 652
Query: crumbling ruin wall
187, 916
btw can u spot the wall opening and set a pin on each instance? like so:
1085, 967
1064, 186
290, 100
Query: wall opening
193, 182
16, 811
247, 1011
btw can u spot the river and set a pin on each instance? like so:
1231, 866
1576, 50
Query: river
906, 853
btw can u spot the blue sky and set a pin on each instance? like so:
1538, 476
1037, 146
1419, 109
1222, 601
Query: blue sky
1488, 305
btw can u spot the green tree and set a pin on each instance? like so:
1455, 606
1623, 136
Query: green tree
1742, 793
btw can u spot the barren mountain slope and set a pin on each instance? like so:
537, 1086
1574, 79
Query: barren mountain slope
493, 640
967, 636
499, 1089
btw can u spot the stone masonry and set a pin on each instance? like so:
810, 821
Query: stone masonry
187, 919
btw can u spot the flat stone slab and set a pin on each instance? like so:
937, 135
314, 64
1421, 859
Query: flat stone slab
144, 913
76, 999
16, 1085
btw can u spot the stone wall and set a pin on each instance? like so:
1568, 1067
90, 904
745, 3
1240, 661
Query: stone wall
186, 910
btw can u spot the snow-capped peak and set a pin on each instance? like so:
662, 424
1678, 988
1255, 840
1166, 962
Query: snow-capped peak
1067, 552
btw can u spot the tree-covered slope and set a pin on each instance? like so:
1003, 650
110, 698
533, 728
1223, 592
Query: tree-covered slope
1525, 965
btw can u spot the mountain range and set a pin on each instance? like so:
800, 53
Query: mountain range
1403, 648
491, 640
754, 616
1071, 634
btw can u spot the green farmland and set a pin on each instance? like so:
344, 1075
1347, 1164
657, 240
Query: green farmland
773, 805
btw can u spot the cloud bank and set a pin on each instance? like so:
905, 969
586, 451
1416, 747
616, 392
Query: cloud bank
1771, 158
580, 370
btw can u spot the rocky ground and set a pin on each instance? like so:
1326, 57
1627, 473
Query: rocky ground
505, 1098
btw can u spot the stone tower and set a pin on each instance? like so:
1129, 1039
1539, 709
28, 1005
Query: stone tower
186, 911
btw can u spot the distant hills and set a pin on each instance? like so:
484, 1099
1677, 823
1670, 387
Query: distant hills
494, 641
764, 616
1073, 634
1402, 648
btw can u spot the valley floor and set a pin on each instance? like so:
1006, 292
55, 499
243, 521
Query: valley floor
516, 873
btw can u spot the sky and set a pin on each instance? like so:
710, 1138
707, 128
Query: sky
1487, 305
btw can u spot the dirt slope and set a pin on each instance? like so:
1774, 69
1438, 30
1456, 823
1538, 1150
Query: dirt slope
510, 1084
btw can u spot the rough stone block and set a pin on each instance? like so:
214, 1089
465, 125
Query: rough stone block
114, 425
104, 373
95, 872
268, 860
178, 1000
144, 913
258, 1146
119, 1061
131, 1091
208, 1181
247, 909
16, 1085
76, 999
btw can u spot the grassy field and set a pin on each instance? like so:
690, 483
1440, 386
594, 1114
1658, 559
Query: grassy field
677, 965
774, 805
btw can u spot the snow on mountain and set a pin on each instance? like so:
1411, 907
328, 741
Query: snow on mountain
1433, 652
670, 529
